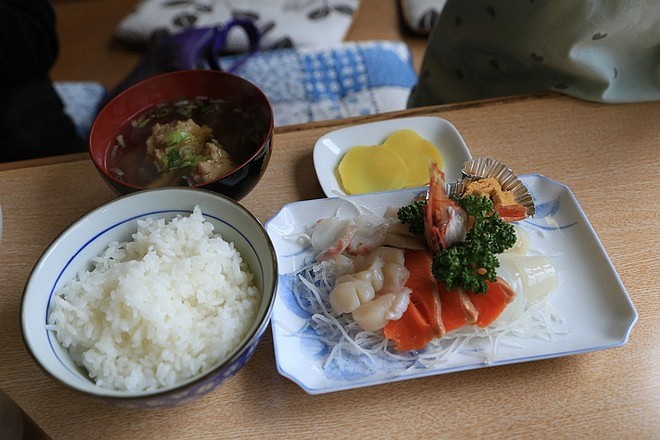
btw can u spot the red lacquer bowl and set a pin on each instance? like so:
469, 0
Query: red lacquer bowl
252, 156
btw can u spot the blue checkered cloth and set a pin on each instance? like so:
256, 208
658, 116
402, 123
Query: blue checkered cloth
345, 80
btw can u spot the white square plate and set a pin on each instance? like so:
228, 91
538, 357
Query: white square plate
595, 308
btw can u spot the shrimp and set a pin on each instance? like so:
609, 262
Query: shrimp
446, 222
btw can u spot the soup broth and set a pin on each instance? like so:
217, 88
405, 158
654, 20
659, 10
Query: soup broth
236, 130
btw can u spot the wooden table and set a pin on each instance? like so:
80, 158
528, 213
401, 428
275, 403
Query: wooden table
607, 154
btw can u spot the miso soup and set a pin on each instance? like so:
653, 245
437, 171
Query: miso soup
230, 136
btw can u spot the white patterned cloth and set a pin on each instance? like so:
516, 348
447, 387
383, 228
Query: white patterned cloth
283, 23
419, 16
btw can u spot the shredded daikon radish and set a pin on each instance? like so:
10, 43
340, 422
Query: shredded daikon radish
361, 353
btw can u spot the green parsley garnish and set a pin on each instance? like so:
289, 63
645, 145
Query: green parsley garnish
413, 216
469, 264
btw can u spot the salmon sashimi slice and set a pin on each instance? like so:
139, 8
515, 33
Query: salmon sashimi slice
434, 311
422, 321
424, 288
492, 303
410, 332
453, 310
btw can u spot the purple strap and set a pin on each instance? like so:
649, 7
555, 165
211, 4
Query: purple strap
219, 42
195, 48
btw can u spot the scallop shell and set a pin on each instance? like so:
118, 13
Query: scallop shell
482, 167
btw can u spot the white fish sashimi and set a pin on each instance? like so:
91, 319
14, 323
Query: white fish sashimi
371, 231
331, 236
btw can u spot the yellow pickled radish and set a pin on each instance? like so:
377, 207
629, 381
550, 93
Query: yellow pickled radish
365, 169
416, 152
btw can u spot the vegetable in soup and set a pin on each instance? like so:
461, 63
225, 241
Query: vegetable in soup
187, 142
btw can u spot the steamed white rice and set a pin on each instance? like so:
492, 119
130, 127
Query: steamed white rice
159, 309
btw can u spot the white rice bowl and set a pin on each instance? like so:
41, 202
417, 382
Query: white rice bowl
155, 311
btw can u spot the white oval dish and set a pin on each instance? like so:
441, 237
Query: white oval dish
330, 148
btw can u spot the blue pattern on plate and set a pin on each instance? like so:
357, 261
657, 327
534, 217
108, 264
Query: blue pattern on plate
288, 298
549, 208
546, 208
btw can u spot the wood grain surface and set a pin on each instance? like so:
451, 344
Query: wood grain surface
607, 154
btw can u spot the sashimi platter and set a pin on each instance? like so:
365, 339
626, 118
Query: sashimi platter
425, 261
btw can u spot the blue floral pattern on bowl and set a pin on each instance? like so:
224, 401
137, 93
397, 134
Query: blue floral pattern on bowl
116, 221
